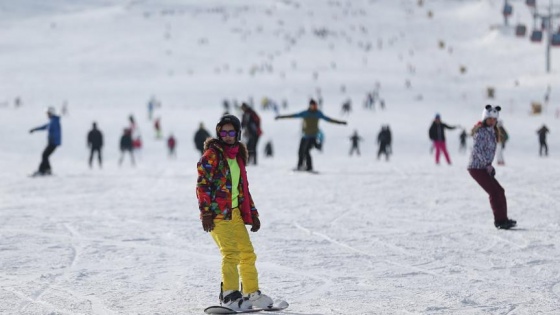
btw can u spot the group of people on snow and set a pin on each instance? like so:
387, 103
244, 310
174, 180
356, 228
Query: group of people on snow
226, 205
222, 189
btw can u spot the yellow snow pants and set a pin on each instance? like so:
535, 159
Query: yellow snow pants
238, 255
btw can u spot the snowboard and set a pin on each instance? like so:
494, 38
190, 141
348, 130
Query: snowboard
37, 174
295, 170
216, 309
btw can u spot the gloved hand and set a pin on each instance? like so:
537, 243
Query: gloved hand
277, 117
343, 123
256, 223
491, 171
31, 131
208, 221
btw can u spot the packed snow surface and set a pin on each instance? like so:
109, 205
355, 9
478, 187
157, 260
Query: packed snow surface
364, 236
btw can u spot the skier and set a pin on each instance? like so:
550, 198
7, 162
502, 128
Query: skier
157, 127
268, 151
225, 104
347, 107
486, 137
437, 135
54, 139
17, 102
504, 136
226, 205
542, 140
389, 139
153, 103
355, 139
126, 145
64, 109
95, 143
132, 125
251, 123
171, 143
463, 141
199, 137
310, 128
384, 141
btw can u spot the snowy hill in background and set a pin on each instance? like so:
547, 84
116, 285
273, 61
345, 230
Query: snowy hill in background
363, 237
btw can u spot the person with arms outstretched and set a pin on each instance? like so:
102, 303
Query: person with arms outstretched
54, 139
310, 129
437, 135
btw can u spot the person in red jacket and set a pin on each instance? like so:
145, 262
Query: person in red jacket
226, 206
171, 143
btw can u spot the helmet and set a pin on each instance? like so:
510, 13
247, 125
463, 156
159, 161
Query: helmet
229, 119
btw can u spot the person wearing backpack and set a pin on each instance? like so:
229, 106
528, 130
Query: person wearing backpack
251, 123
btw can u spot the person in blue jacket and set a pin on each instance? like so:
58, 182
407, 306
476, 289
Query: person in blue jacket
310, 129
54, 139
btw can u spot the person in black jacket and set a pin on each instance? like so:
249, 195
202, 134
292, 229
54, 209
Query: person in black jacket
355, 140
95, 143
437, 135
251, 124
384, 141
542, 140
126, 145
199, 137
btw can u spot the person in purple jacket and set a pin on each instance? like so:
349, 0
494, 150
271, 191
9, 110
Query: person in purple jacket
54, 139
486, 137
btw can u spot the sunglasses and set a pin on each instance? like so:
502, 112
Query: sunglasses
230, 133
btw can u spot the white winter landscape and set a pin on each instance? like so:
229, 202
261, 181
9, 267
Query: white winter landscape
364, 236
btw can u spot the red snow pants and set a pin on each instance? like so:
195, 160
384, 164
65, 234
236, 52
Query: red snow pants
495, 191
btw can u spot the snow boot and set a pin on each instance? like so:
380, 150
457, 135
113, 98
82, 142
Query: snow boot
235, 301
505, 224
259, 300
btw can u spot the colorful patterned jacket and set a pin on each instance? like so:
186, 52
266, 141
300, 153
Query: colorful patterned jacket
213, 185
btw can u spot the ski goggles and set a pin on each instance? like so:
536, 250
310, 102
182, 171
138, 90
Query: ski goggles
230, 133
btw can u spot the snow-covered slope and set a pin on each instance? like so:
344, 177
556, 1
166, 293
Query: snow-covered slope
362, 237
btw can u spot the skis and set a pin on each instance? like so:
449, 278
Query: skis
216, 309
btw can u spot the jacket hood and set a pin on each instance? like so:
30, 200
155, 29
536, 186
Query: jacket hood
213, 143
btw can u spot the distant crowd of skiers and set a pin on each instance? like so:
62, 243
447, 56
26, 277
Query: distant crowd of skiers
312, 137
